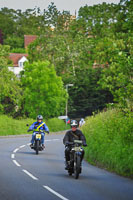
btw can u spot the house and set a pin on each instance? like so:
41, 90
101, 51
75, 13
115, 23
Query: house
29, 39
18, 60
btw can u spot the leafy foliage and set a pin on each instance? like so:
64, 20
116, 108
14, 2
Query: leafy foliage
43, 90
10, 92
1, 37
4, 53
15, 42
100, 37
109, 138
112, 48
70, 53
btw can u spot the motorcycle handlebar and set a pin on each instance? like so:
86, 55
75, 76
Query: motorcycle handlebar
75, 142
79, 142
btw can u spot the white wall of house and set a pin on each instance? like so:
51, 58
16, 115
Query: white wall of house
17, 70
21, 61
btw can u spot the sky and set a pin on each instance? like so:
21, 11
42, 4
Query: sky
69, 5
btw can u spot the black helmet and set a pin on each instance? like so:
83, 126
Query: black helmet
74, 123
39, 117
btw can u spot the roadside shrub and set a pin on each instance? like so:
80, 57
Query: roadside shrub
56, 125
110, 141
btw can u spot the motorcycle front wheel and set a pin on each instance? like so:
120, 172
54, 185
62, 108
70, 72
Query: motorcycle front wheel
70, 172
77, 162
37, 146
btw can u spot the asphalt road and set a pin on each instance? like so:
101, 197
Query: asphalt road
27, 176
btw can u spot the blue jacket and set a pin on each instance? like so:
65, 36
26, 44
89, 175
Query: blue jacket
36, 124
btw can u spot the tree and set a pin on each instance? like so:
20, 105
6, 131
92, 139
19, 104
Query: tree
10, 87
71, 53
98, 19
14, 42
86, 96
10, 92
117, 74
4, 56
43, 90
1, 37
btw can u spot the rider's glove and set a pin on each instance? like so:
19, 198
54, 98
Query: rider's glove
47, 132
66, 143
29, 130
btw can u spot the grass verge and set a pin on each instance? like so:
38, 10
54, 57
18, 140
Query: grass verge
10, 126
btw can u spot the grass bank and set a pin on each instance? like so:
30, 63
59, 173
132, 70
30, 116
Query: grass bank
10, 126
110, 141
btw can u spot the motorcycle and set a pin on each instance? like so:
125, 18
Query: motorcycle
37, 146
75, 158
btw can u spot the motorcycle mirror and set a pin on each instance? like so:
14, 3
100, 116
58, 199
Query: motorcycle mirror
27, 124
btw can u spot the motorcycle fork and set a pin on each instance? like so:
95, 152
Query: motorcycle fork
71, 160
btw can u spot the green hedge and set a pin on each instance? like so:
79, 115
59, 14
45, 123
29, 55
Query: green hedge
10, 126
110, 141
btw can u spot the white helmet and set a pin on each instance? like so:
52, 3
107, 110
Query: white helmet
74, 123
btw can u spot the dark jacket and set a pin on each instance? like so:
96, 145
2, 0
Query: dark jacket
70, 136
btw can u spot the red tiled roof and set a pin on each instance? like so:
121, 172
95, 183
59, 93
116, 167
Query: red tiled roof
15, 57
28, 39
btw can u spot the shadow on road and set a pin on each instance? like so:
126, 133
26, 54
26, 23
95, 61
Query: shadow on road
26, 152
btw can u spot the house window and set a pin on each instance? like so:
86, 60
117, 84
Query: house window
20, 64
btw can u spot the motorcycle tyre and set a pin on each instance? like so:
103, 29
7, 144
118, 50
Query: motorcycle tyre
70, 172
77, 167
37, 147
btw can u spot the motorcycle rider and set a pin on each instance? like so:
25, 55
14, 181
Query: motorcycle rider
81, 122
70, 136
42, 126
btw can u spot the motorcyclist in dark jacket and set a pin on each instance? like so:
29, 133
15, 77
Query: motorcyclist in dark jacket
70, 136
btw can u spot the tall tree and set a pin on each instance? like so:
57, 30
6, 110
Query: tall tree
43, 90
4, 56
10, 87
1, 37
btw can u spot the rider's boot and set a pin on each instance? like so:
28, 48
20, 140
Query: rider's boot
66, 165
31, 145
43, 146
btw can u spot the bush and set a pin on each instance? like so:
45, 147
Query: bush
56, 125
10, 126
110, 141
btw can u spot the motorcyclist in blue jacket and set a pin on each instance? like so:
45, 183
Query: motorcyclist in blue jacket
34, 126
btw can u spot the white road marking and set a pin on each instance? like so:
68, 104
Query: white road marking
15, 150
33, 177
16, 163
29, 174
12, 156
22, 146
52, 191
